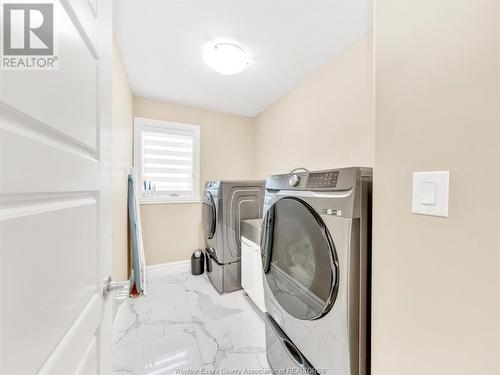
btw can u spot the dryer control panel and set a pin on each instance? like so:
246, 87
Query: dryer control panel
322, 180
326, 180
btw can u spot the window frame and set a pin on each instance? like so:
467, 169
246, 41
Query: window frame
141, 124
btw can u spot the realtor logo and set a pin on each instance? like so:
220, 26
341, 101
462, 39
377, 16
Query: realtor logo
28, 36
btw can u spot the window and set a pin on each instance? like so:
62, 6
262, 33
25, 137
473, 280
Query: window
167, 160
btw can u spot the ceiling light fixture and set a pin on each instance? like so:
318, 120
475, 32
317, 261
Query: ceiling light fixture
226, 58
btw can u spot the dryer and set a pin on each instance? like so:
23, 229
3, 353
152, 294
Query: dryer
224, 205
316, 241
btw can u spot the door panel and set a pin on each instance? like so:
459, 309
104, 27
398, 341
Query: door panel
247, 273
299, 259
259, 287
71, 90
88, 363
251, 272
32, 155
55, 205
93, 6
72, 349
63, 232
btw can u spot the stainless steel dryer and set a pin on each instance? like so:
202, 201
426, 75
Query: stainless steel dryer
316, 244
225, 204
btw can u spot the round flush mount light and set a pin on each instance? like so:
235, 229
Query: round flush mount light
226, 58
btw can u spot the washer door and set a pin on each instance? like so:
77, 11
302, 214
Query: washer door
208, 215
299, 259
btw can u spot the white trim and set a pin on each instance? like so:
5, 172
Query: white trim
170, 201
141, 123
177, 125
162, 269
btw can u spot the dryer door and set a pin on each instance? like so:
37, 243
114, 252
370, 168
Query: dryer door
208, 215
299, 259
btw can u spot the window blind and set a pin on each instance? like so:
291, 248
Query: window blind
168, 165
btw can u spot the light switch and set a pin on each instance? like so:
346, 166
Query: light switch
430, 193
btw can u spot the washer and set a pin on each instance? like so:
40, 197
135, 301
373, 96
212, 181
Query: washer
316, 260
224, 205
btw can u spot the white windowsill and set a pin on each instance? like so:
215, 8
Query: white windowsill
164, 200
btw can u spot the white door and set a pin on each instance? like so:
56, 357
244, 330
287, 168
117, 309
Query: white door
55, 242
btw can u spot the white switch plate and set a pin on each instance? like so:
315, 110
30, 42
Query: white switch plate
431, 193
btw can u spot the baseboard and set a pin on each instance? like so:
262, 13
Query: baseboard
161, 269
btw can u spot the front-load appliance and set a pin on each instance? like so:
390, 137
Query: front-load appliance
316, 240
224, 205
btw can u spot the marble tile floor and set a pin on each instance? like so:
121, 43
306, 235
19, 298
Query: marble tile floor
183, 326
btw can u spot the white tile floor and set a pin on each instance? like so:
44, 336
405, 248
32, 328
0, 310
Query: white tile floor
183, 323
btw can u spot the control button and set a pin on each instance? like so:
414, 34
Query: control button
294, 180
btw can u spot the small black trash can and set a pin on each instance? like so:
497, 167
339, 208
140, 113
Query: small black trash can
197, 262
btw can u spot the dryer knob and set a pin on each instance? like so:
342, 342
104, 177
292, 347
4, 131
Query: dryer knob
294, 180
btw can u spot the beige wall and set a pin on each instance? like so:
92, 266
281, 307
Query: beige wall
122, 131
172, 231
325, 122
436, 280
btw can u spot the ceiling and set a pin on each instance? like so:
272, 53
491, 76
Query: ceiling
161, 43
